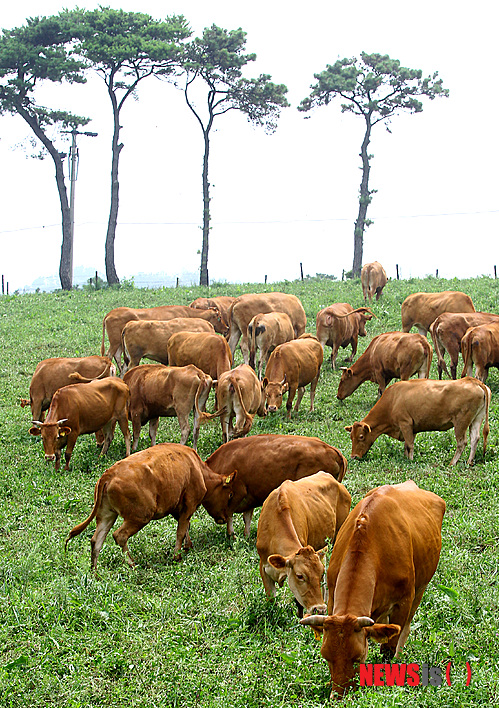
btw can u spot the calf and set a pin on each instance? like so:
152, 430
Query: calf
149, 338
295, 522
116, 319
263, 462
340, 325
166, 479
266, 332
239, 395
76, 410
291, 367
421, 309
209, 352
157, 391
385, 555
480, 346
388, 356
373, 279
51, 374
410, 407
245, 307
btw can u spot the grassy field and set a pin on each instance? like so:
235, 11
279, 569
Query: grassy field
200, 632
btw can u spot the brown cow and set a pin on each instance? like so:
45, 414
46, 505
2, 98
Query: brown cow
410, 407
51, 374
116, 319
209, 352
447, 332
373, 279
149, 338
385, 555
388, 356
221, 302
295, 522
76, 410
266, 332
421, 309
157, 391
247, 306
480, 346
166, 479
239, 394
263, 462
340, 325
291, 367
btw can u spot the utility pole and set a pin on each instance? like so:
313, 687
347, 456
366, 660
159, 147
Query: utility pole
74, 159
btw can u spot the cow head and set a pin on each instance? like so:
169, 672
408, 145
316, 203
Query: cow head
347, 383
304, 570
345, 646
273, 392
218, 321
362, 438
363, 314
219, 493
54, 438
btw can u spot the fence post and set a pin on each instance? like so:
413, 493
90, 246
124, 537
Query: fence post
301, 270
495, 272
397, 269
177, 283
265, 280
436, 273
3, 284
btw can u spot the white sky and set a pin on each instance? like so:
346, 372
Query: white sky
286, 198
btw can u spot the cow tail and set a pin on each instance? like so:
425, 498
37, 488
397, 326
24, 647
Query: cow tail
103, 337
100, 488
126, 355
237, 389
466, 352
363, 310
429, 358
203, 416
442, 366
486, 427
252, 354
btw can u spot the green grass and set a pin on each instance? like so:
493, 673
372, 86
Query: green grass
200, 632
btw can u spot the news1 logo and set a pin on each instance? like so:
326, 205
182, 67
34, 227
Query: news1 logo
407, 675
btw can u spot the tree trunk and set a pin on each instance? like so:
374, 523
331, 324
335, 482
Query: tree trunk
364, 201
111, 275
65, 269
203, 274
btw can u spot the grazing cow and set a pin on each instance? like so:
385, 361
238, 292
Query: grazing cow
247, 306
76, 410
291, 367
340, 325
373, 279
209, 352
421, 309
480, 346
51, 374
295, 522
239, 395
385, 555
388, 356
263, 462
116, 319
447, 332
166, 479
410, 407
157, 391
149, 338
266, 332
220, 302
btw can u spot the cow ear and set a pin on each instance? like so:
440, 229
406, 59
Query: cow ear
277, 561
348, 428
382, 632
285, 387
64, 430
366, 427
265, 382
322, 554
35, 431
229, 479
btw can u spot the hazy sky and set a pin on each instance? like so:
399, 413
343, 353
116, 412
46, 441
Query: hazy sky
286, 198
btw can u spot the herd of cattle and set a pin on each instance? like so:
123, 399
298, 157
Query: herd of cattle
386, 549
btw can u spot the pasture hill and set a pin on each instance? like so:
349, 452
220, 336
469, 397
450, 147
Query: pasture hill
200, 632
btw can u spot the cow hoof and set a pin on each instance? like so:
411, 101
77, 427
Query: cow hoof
177, 557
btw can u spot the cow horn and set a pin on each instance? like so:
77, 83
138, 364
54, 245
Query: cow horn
38, 423
313, 620
284, 379
364, 622
62, 420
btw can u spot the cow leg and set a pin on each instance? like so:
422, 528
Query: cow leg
182, 533
313, 386
136, 426
104, 523
353, 342
185, 428
235, 334
247, 516
153, 430
245, 348
460, 434
398, 642
58, 460
408, 436
301, 391
123, 423
334, 354
230, 526
289, 402
69, 450
453, 368
127, 529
